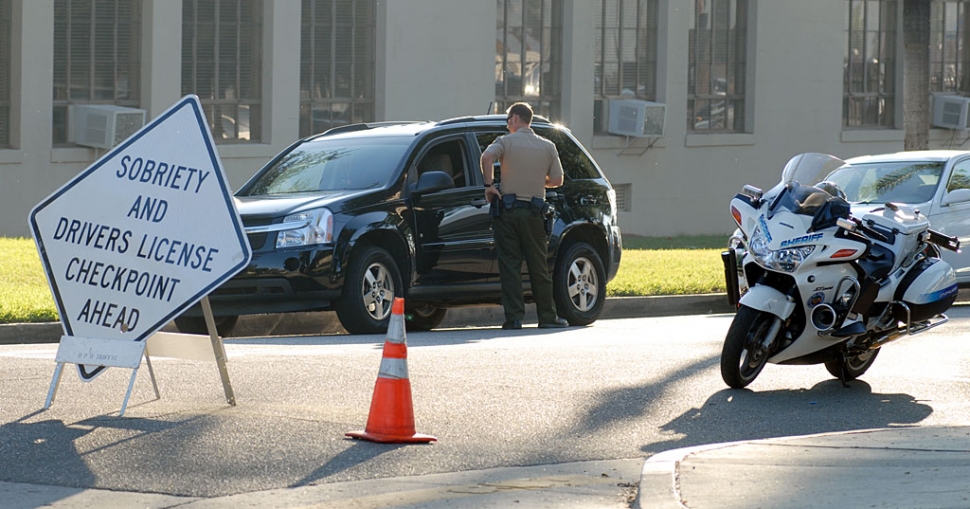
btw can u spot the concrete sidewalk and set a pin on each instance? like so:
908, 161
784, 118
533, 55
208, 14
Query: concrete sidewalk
911, 468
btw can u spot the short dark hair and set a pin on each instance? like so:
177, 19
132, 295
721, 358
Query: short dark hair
523, 110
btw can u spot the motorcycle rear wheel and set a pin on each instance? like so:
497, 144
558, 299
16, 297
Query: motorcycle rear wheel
855, 366
743, 356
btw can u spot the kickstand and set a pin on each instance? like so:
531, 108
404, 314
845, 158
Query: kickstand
842, 373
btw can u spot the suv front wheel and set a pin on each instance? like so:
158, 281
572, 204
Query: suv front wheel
579, 284
196, 325
369, 289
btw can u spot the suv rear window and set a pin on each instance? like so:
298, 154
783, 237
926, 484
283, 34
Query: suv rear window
576, 165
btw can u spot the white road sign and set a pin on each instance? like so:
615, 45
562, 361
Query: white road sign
143, 233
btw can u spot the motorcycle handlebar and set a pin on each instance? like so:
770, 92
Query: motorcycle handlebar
853, 224
944, 241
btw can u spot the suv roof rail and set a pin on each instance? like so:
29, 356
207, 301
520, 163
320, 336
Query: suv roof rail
349, 128
457, 120
481, 118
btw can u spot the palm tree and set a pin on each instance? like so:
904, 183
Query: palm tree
916, 74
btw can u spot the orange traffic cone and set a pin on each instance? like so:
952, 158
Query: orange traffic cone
391, 418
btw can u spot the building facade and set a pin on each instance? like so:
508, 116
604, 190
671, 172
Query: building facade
744, 84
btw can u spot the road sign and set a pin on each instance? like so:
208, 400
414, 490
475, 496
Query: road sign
143, 233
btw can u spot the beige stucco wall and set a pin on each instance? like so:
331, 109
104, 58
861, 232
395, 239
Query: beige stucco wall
436, 60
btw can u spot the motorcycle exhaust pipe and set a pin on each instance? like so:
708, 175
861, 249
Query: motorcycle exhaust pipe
824, 317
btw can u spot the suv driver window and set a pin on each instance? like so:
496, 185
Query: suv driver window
446, 157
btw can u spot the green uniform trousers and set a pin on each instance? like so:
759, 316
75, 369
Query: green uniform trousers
520, 234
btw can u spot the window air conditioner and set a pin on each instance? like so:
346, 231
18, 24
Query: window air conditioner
632, 117
950, 111
105, 125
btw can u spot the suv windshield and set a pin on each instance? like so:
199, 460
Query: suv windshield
331, 164
901, 182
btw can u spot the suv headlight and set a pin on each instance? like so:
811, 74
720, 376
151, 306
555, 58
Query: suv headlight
308, 228
784, 260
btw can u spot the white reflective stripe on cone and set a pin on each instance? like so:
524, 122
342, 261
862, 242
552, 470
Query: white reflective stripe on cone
395, 329
394, 368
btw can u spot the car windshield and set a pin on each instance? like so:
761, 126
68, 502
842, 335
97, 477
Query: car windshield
902, 182
331, 164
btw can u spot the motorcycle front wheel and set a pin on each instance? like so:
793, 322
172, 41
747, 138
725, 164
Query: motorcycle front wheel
744, 355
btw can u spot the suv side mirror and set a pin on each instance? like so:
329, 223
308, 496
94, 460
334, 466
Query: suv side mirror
432, 182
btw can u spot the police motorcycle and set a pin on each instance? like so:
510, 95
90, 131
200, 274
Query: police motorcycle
823, 286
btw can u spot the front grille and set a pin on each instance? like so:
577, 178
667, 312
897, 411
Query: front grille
257, 240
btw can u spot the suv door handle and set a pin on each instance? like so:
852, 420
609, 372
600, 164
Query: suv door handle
479, 203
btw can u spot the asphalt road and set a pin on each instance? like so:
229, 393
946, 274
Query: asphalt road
621, 389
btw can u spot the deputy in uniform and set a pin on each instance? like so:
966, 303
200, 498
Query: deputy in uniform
530, 164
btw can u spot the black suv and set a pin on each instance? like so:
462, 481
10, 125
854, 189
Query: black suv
350, 218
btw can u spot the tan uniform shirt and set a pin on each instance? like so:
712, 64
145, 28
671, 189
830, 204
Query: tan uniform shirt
526, 160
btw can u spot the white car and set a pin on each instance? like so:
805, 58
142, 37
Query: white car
937, 182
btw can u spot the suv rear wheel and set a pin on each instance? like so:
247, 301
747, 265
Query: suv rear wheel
424, 317
369, 289
579, 284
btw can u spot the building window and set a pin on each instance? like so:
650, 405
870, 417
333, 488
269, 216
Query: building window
625, 62
5, 71
717, 66
337, 64
949, 59
222, 64
528, 55
96, 57
869, 66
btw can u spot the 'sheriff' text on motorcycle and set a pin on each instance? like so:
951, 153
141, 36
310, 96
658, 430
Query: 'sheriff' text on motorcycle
824, 286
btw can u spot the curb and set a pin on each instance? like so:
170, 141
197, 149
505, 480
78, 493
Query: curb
661, 479
325, 322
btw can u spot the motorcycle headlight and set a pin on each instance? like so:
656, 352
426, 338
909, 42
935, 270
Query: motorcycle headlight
308, 228
784, 260
758, 245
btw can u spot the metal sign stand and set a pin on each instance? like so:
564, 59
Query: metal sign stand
124, 354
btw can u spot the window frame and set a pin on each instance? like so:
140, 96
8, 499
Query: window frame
734, 99
67, 94
6, 71
546, 103
191, 75
316, 97
646, 37
886, 103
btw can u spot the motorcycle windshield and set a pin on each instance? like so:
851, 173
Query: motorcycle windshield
798, 196
810, 168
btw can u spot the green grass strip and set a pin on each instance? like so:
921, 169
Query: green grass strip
24, 294
649, 266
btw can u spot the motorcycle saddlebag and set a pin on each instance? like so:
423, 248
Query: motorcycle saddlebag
929, 289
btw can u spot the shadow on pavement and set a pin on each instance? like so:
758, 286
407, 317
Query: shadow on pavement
732, 415
359, 453
44, 453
